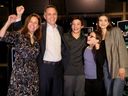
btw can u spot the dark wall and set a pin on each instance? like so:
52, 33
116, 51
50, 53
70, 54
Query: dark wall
4, 12
39, 5
85, 6
115, 5
61, 7
31, 5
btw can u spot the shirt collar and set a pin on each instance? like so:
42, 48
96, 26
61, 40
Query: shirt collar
51, 26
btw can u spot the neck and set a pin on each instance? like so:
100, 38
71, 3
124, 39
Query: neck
90, 46
31, 34
31, 37
75, 34
53, 25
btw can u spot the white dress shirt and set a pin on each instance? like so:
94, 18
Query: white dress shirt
53, 44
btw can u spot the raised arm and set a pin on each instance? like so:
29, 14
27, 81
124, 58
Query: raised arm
11, 19
19, 11
18, 24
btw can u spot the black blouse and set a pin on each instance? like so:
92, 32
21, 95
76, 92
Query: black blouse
100, 57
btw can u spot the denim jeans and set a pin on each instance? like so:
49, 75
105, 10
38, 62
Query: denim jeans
114, 87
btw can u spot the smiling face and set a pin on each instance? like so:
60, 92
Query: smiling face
33, 24
103, 22
50, 16
76, 26
91, 39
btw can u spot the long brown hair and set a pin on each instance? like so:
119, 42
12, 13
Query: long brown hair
109, 27
24, 30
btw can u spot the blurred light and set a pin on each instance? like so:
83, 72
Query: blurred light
1, 5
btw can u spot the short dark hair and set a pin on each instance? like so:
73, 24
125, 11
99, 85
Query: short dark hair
79, 18
49, 6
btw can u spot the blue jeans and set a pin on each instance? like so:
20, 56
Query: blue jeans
114, 87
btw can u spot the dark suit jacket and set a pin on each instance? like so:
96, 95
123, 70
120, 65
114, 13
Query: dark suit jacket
43, 41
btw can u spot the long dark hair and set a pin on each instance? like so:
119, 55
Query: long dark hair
24, 30
109, 27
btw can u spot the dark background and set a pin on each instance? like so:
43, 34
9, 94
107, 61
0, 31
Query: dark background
88, 9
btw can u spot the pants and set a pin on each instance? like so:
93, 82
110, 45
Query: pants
94, 87
74, 85
114, 87
51, 79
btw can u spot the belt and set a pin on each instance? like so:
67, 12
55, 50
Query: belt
51, 62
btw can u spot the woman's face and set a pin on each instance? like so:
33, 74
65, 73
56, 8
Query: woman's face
33, 24
76, 26
103, 22
91, 39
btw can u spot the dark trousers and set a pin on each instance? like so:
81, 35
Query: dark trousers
51, 79
74, 85
94, 87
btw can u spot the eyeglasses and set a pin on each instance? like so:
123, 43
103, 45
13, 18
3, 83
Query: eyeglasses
91, 36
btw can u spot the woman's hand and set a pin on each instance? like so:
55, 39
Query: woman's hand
122, 73
11, 19
19, 11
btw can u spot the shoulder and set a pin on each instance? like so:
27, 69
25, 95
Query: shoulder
44, 24
14, 33
67, 34
116, 30
60, 28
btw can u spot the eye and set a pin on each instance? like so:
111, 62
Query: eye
91, 36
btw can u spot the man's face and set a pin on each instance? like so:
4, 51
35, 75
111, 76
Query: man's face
51, 16
76, 26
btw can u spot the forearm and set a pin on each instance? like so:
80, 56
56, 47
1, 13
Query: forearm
4, 29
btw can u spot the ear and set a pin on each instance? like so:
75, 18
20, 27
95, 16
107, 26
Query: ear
44, 16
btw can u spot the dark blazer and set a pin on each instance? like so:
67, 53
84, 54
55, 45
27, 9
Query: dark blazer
43, 41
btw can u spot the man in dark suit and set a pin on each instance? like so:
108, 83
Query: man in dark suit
51, 70
50, 67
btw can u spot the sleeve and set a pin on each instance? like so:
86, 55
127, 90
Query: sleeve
122, 50
17, 25
10, 37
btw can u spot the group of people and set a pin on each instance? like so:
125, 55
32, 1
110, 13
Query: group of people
50, 62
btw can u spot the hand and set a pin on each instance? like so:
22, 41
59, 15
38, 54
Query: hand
12, 18
122, 73
97, 46
20, 10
